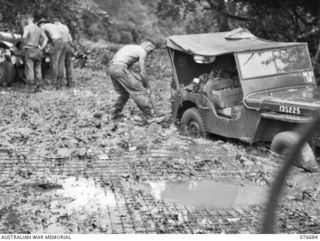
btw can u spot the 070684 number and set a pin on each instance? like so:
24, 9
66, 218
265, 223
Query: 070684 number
290, 109
308, 236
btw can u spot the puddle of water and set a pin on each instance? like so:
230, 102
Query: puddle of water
79, 199
85, 195
209, 194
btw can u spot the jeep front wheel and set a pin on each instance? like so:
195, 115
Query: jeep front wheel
192, 123
282, 144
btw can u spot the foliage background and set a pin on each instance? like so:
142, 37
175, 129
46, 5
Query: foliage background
101, 23
124, 21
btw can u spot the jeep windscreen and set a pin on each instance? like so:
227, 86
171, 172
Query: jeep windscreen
274, 62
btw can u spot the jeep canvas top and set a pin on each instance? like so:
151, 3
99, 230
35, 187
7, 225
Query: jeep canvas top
237, 85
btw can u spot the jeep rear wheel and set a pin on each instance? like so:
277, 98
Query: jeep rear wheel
6, 73
282, 144
3, 73
192, 123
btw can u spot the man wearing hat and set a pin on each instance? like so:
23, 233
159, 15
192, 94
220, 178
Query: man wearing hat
58, 51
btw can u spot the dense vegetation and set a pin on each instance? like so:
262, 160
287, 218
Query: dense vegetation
124, 21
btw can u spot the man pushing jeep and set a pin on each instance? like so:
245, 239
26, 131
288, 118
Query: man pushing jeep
127, 83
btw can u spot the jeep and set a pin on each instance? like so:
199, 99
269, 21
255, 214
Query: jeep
236, 85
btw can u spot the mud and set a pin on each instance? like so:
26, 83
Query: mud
67, 168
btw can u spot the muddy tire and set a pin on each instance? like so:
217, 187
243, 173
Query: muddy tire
3, 74
192, 124
6, 73
283, 142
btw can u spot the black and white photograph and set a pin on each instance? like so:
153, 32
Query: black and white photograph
131, 117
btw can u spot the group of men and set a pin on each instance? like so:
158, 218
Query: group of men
35, 39
126, 82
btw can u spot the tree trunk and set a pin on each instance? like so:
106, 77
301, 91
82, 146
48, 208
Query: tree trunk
219, 8
318, 50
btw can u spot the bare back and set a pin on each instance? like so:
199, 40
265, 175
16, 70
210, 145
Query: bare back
32, 34
65, 32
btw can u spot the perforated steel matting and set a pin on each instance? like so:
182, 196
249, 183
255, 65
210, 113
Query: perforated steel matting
137, 210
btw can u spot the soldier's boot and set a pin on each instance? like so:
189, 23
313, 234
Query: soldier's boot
30, 88
151, 118
115, 113
70, 83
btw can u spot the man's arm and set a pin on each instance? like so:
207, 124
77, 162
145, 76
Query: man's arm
69, 35
143, 72
25, 33
44, 40
70, 38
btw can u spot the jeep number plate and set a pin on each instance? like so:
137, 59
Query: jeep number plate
290, 109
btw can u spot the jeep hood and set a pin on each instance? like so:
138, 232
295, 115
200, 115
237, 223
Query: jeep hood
306, 98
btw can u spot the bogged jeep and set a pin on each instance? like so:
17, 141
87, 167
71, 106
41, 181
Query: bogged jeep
236, 85
9, 63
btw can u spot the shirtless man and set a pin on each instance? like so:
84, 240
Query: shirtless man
126, 83
34, 39
58, 51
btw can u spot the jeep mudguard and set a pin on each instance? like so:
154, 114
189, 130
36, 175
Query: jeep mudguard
271, 123
284, 141
183, 100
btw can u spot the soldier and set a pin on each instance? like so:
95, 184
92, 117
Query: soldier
66, 37
126, 83
32, 37
58, 51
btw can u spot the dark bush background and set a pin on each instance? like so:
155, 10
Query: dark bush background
101, 23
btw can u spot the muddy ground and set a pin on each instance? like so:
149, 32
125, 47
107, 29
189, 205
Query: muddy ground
67, 168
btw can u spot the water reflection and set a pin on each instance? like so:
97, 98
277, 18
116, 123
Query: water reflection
209, 194
85, 194
79, 200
